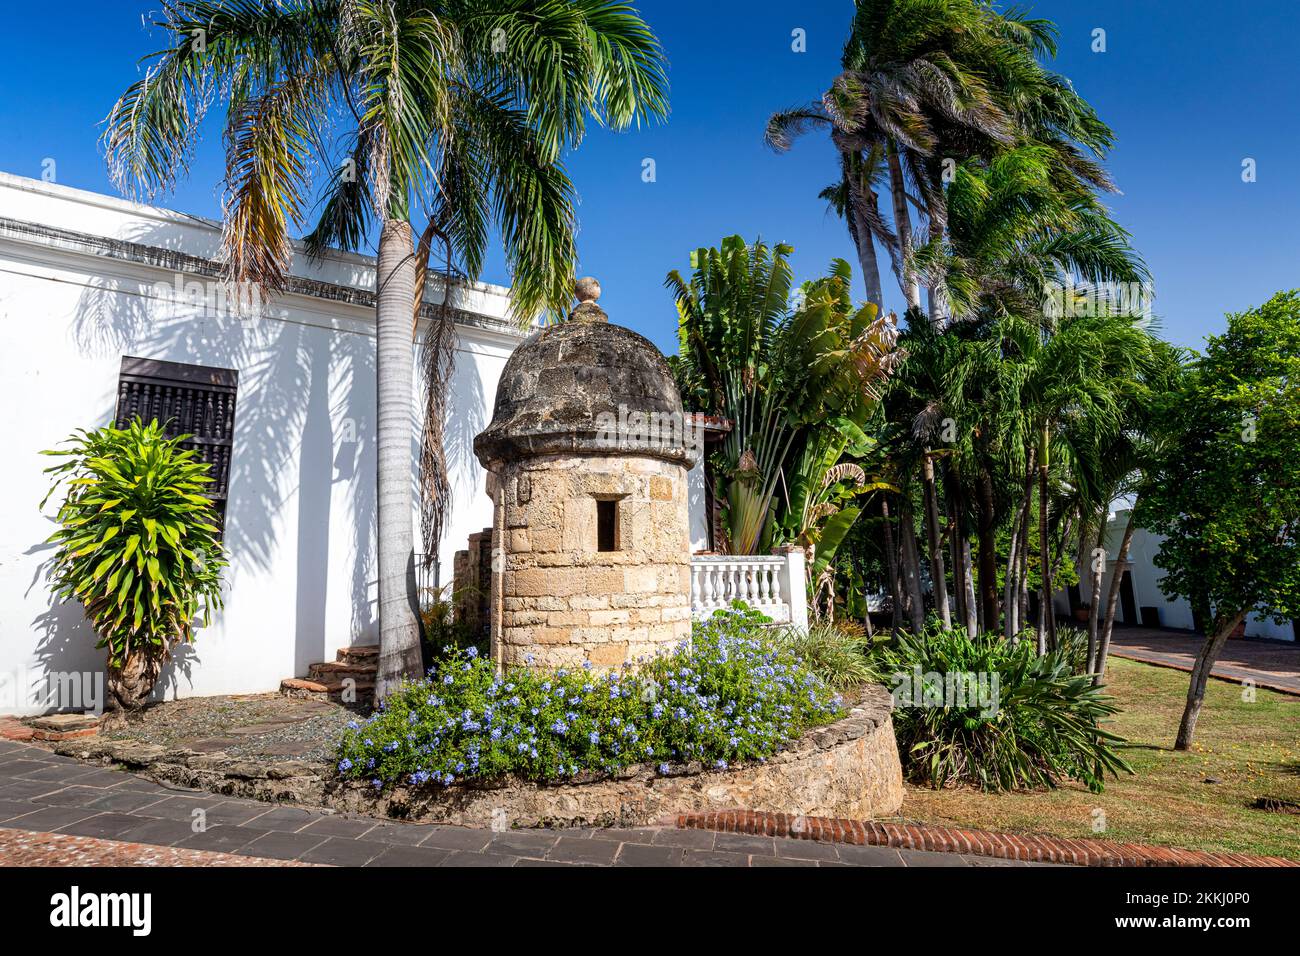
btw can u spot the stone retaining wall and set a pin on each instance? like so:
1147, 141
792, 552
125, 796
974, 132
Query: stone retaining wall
846, 769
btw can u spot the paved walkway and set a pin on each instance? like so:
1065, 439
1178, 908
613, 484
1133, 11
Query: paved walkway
1271, 664
123, 820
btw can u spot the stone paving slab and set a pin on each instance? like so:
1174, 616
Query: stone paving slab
1274, 665
115, 816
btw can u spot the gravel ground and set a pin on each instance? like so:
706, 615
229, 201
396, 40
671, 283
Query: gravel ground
262, 726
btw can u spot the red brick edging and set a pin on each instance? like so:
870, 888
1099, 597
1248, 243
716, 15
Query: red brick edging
1009, 846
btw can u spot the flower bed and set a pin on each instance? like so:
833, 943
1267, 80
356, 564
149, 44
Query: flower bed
730, 696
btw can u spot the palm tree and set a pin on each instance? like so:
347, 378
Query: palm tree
454, 110
904, 74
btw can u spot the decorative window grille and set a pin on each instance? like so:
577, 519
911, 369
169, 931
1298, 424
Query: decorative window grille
189, 400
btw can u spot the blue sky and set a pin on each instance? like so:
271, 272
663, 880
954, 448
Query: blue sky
1191, 88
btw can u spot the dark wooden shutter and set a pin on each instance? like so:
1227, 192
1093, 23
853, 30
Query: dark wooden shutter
187, 400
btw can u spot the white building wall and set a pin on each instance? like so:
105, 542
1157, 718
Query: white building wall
1146, 577
300, 523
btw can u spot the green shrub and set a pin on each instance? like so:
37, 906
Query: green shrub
732, 694
835, 652
1031, 722
445, 634
137, 545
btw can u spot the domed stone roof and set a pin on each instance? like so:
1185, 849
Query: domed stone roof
586, 386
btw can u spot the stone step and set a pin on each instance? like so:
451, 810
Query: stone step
337, 670
300, 688
360, 654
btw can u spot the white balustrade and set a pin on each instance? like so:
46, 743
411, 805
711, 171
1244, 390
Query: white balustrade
773, 585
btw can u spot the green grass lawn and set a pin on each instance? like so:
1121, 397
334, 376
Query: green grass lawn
1251, 749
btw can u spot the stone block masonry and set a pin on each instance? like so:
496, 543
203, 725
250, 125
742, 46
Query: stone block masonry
566, 601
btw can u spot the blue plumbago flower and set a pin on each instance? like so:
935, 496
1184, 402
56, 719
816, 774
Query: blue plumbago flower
345, 765
353, 725
560, 727
663, 768
368, 742
376, 783
448, 679
721, 764
472, 652
594, 737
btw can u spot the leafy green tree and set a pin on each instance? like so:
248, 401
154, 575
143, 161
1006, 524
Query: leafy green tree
1226, 495
454, 111
781, 375
138, 546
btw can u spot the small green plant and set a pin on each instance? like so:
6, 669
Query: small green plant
444, 634
137, 546
731, 694
834, 651
995, 715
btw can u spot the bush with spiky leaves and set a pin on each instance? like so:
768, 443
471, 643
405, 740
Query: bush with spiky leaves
1044, 725
137, 545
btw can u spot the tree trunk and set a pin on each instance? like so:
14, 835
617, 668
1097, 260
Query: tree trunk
911, 568
1018, 556
862, 237
1210, 651
1098, 567
961, 569
1112, 598
987, 531
968, 586
1010, 593
938, 212
891, 558
1044, 551
938, 574
130, 684
903, 226
399, 636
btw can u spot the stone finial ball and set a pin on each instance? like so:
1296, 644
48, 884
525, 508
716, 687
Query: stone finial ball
587, 289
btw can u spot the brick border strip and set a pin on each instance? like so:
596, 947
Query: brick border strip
1007, 846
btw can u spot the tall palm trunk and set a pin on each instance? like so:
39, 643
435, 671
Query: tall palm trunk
961, 569
399, 637
1011, 622
862, 237
988, 558
938, 228
1049, 613
911, 559
937, 572
1112, 598
903, 226
891, 557
1017, 556
1097, 564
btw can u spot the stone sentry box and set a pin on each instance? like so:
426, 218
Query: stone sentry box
587, 456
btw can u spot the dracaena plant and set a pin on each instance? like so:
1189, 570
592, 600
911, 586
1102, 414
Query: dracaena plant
138, 546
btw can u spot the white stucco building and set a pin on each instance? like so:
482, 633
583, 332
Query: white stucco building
81, 276
1141, 586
